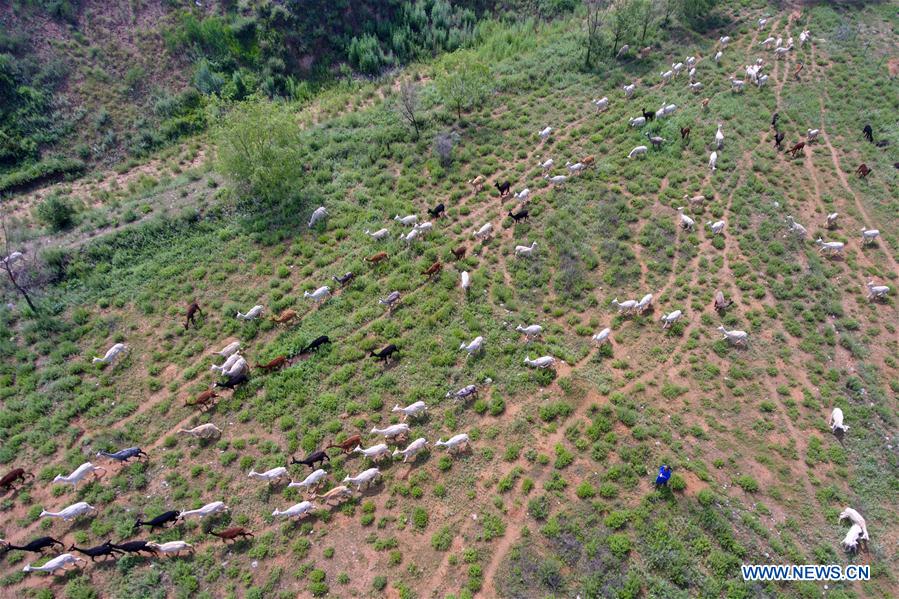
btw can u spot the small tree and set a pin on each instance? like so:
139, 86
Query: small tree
464, 83
443, 146
409, 105
621, 23
23, 271
596, 12
646, 12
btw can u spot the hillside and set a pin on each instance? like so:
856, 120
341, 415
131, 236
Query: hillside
555, 497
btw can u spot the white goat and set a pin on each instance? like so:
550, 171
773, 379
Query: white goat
531, 332
855, 518
172, 547
203, 431
391, 432
795, 228
238, 368
717, 227
525, 250
762, 23
379, 234
111, 354
804, 37
713, 161
207, 510
686, 222
623, 51
644, 304
541, 362
522, 196
407, 221
781, 52
424, 227
670, 318
375, 452
637, 121
836, 421
850, 541
834, 247
724, 40
319, 295
544, 133
625, 306
677, 67
455, 444
737, 85
410, 236
475, 346
575, 168
464, 392
762, 80
484, 232
602, 337
601, 104
556, 180
229, 349
638, 151
365, 478
629, 90
78, 475
719, 138
811, 135
317, 216
252, 314
877, 291
691, 61
735, 337
547, 164
59, 562
718, 56
71, 512
465, 280
411, 449
767, 42
666, 76
297, 510
830, 221
270, 475
392, 298
414, 409
869, 235
696, 87
227, 364
311, 481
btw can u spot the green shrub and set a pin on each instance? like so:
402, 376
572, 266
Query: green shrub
56, 212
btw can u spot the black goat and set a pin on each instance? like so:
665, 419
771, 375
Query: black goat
344, 279
648, 115
521, 215
774, 118
312, 459
869, 133
315, 344
159, 521
135, 547
385, 353
233, 382
36, 546
125, 454
503, 187
778, 140
437, 210
104, 550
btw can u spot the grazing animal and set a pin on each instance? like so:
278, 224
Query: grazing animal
834, 247
233, 381
437, 210
424, 228
705, 103
316, 457
484, 232
385, 354
159, 521
379, 257
340, 494
850, 541
459, 252
134, 547
78, 475
795, 228
696, 86
557, 179
638, 151
344, 279
779, 139
365, 478
796, 149
544, 133
229, 350
432, 269
375, 452
548, 164
12, 476
627, 306
232, 534
761, 81
71, 512
719, 138
721, 305
648, 115
466, 391
392, 431
114, 352
465, 280
868, 133
542, 362
876, 291
766, 42
624, 50
713, 161
670, 318
319, 295
407, 221
173, 547
252, 314
228, 364
863, 171
735, 337
762, 23
36, 546
575, 168
318, 215
269, 475
856, 518
520, 215
203, 431
718, 56
637, 121
105, 550
588, 160
379, 234
59, 562
684, 133
601, 103
724, 40
203, 400
297, 511
655, 140
411, 449
455, 444
315, 344
285, 316
123, 455
602, 337
737, 85
207, 510
239, 366
836, 421
666, 76
782, 51
414, 409
695, 202
474, 346
525, 250
524, 195
313, 480
869, 235
192, 310
478, 182
812, 135
531, 332
717, 227
774, 118
347, 445
686, 222
629, 90
503, 187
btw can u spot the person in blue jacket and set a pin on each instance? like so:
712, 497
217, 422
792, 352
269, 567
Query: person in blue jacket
664, 475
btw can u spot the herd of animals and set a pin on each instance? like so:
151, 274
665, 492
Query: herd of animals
235, 369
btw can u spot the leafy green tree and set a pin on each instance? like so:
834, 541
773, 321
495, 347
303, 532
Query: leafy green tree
622, 21
694, 12
260, 150
463, 84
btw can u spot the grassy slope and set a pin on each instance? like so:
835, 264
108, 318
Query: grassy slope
724, 418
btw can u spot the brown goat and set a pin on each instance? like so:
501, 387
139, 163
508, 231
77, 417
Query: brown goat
13, 476
348, 445
705, 103
459, 252
379, 257
192, 310
684, 133
588, 160
275, 364
203, 400
285, 316
432, 269
231, 534
862, 171
796, 149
